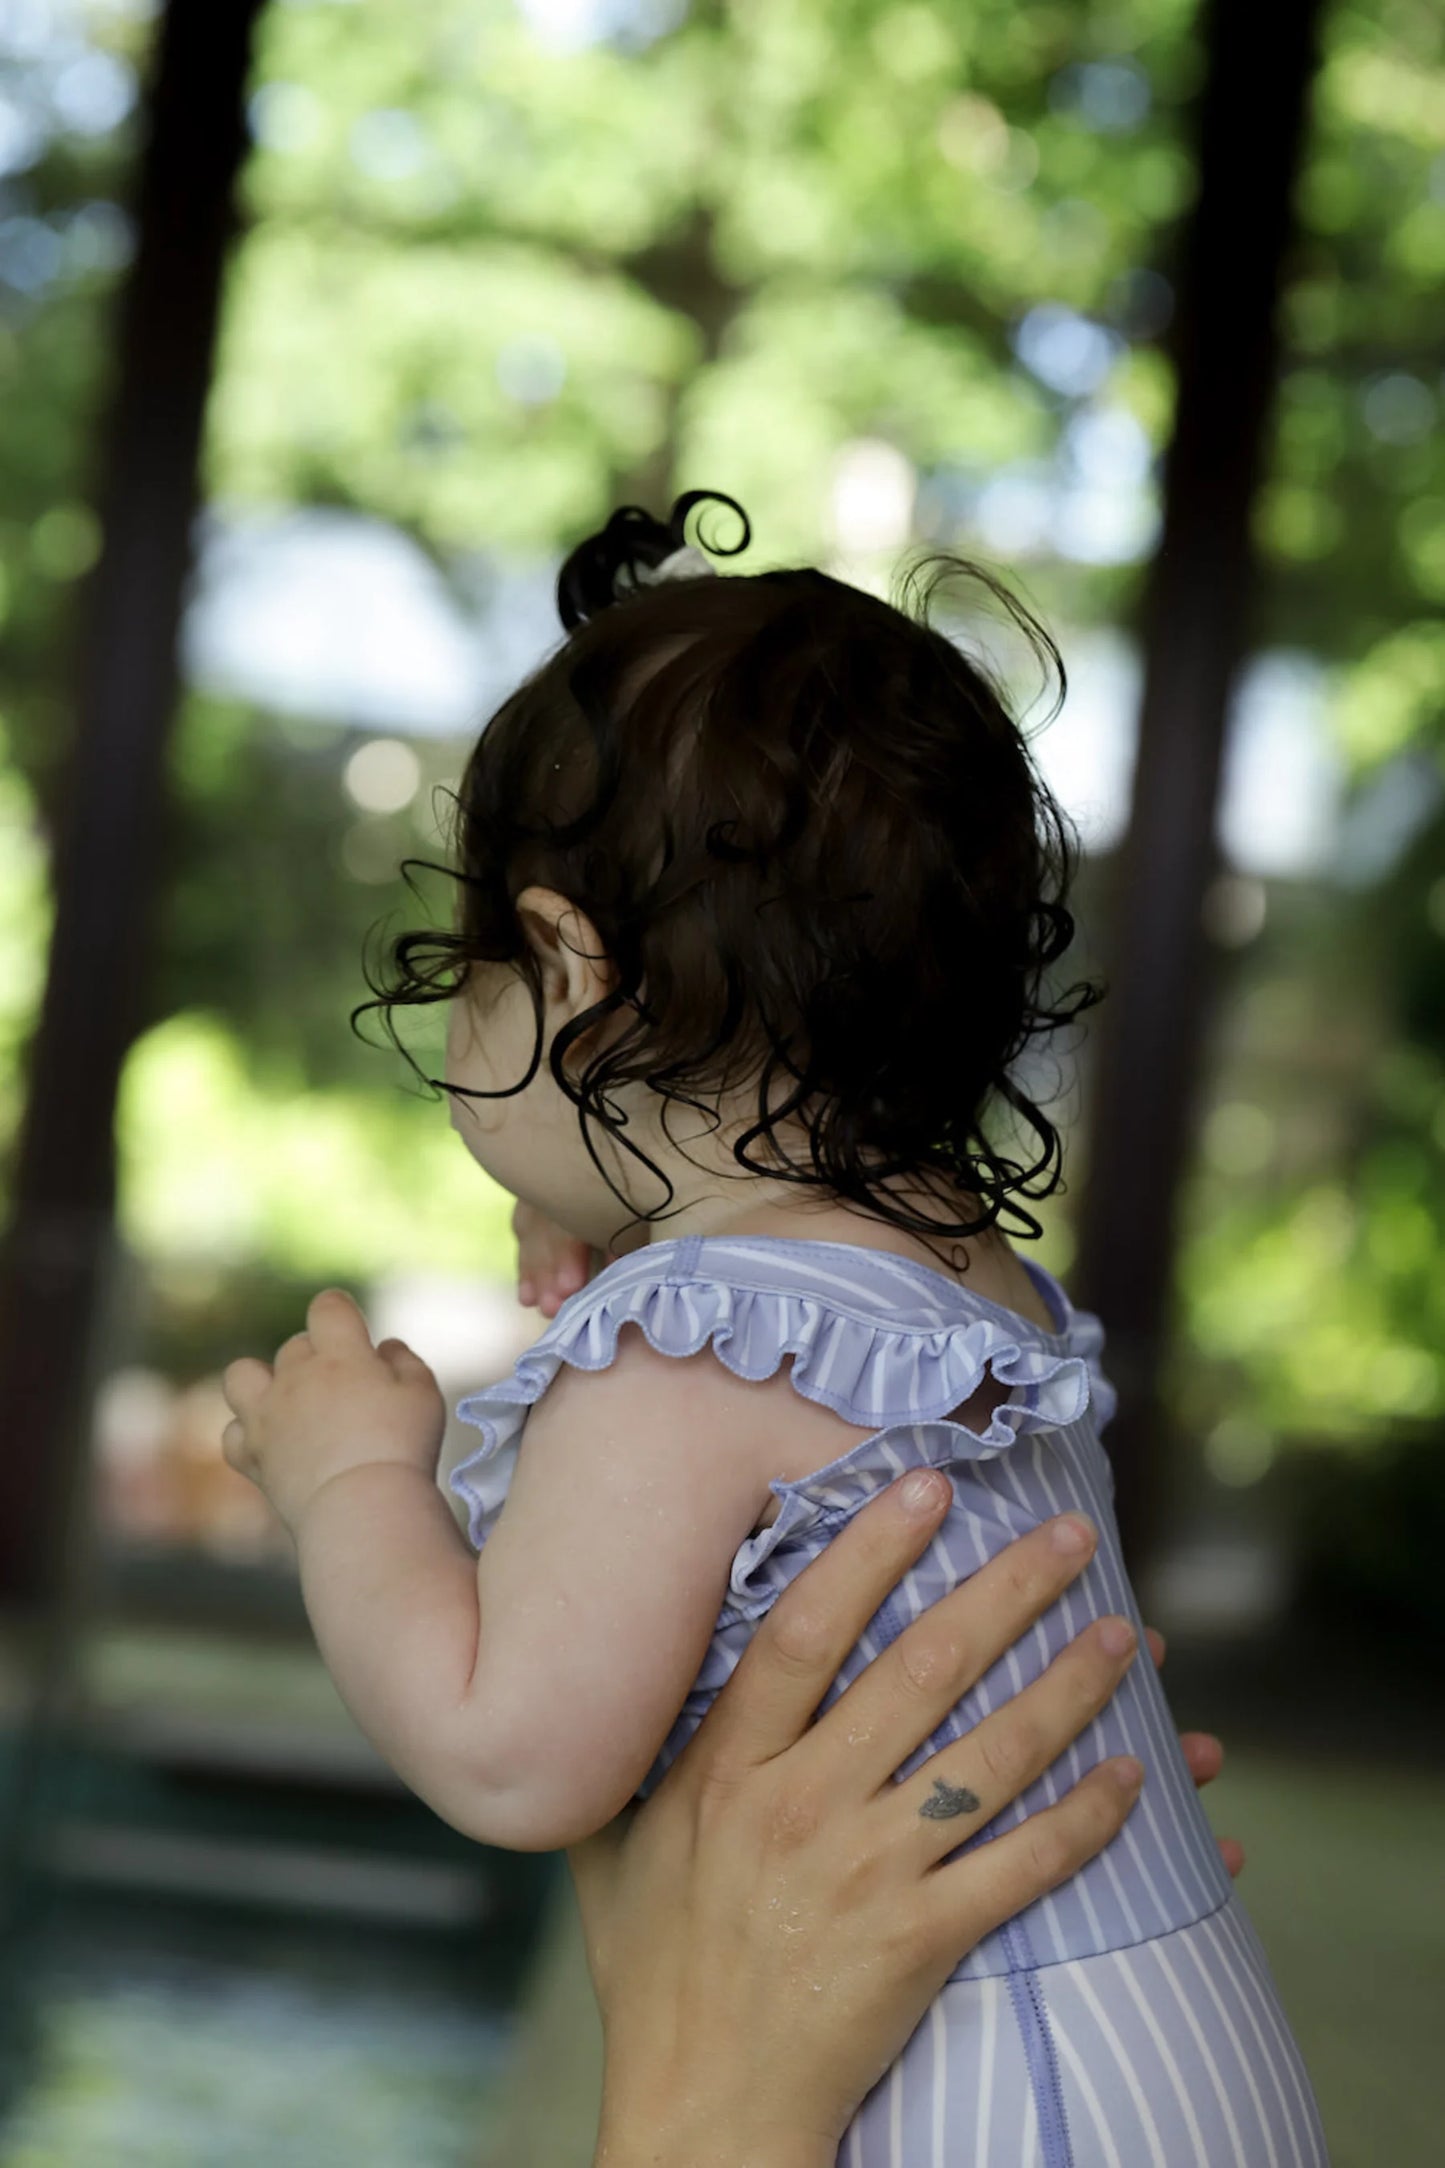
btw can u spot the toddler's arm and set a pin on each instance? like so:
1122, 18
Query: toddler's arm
601, 1582
524, 1693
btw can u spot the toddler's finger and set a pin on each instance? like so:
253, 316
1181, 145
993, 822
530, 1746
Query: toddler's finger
402, 1358
234, 1450
244, 1380
334, 1322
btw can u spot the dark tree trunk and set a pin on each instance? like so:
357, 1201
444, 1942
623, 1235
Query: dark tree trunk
1152, 1032
54, 1258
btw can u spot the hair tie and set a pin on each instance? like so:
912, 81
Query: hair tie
684, 564
636, 550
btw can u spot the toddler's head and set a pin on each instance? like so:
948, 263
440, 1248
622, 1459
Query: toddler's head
757, 887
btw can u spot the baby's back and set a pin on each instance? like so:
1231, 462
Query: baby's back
1163, 1871
1129, 2016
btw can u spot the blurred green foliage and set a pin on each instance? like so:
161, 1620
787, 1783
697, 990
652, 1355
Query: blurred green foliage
496, 280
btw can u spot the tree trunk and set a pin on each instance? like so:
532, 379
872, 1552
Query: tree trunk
1146, 1090
53, 1261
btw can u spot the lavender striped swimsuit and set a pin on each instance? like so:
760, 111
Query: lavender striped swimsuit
1129, 2018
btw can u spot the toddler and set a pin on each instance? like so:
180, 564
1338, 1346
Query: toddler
758, 887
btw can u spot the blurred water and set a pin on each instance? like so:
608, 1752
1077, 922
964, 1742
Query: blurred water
192, 2040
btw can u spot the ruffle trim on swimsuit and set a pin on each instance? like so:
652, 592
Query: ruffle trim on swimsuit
879, 1375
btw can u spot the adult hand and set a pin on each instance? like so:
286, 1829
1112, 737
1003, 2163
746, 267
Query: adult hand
1204, 1756
766, 1931
551, 1264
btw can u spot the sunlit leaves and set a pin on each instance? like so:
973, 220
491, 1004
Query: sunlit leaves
493, 274
421, 414
1364, 326
321, 1181
1327, 1311
762, 177
25, 916
1394, 695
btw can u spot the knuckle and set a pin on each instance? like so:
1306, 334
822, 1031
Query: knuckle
798, 1640
1083, 1825
1050, 1853
794, 1813
1006, 1750
1097, 1677
867, 1869
1085, 1674
872, 1861
1110, 1804
925, 1662
1098, 1820
1019, 1576
718, 1785
908, 1935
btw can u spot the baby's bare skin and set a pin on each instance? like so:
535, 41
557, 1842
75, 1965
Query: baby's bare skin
551, 1265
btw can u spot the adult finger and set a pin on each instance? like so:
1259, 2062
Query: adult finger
1204, 1754
1204, 1757
800, 1643
904, 1694
965, 1785
969, 1898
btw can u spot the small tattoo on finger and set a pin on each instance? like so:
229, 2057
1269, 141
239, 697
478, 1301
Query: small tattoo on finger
949, 1800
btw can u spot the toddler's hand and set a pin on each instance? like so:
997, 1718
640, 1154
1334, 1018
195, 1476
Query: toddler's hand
551, 1264
328, 1403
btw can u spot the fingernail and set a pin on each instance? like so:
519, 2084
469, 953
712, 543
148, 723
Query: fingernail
1074, 1533
1116, 1635
921, 1491
1127, 1773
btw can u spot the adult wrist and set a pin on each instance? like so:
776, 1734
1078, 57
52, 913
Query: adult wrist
630, 2135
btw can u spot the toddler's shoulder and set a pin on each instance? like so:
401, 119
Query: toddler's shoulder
780, 1356
628, 1369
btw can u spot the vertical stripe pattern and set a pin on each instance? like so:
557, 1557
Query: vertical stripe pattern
1149, 2078
1127, 2019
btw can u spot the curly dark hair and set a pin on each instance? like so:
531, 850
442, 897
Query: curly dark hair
812, 839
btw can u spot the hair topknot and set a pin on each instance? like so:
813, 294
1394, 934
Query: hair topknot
817, 850
632, 543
